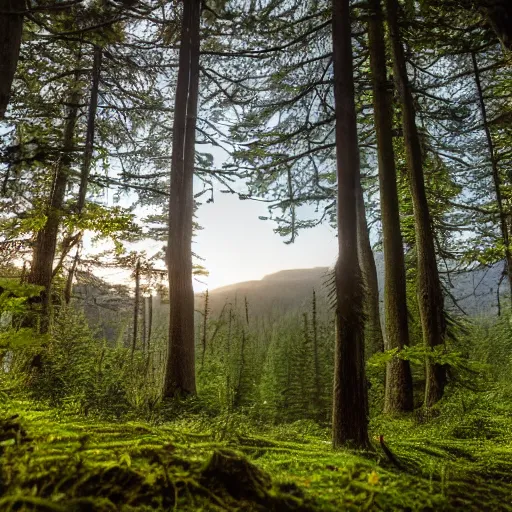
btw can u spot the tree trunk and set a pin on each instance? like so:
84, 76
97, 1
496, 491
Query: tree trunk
150, 322
69, 282
91, 125
23, 273
374, 341
399, 393
319, 403
205, 327
495, 176
144, 327
238, 395
180, 370
71, 240
46, 241
430, 296
136, 307
11, 29
350, 399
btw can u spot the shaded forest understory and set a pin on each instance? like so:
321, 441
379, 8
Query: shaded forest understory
88, 429
56, 461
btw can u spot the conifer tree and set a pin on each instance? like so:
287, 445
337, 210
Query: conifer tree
374, 340
430, 296
350, 400
11, 28
45, 160
398, 374
46, 242
180, 370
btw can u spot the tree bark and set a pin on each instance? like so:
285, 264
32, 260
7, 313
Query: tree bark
144, 327
180, 370
399, 393
430, 296
374, 341
350, 399
46, 241
205, 327
319, 403
11, 29
150, 322
69, 282
91, 125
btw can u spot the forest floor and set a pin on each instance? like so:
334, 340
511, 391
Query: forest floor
55, 461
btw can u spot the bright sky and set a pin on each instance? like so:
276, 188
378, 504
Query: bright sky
238, 246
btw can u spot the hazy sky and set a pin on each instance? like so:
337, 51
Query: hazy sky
235, 244
238, 246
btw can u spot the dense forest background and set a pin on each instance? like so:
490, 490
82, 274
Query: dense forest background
389, 120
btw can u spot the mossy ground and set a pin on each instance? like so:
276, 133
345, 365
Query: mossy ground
53, 461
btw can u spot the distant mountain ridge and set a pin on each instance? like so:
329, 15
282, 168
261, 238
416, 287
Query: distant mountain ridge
110, 310
276, 293
289, 290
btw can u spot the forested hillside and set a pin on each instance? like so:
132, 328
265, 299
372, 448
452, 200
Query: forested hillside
473, 292
380, 383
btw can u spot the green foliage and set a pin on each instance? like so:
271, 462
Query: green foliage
418, 354
229, 376
105, 223
13, 305
97, 466
455, 455
274, 370
16, 339
457, 460
14, 294
264, 384
290, 387
75, 370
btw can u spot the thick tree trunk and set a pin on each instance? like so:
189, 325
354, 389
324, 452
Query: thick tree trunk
399, 393
430, 296
374, 341
504, 224
46, 241
11, 28
180, 370
350, 399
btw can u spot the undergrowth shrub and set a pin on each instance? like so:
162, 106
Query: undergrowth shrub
76, 370
477, 404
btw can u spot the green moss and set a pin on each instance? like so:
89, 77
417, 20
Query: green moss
131, 467
52, 462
